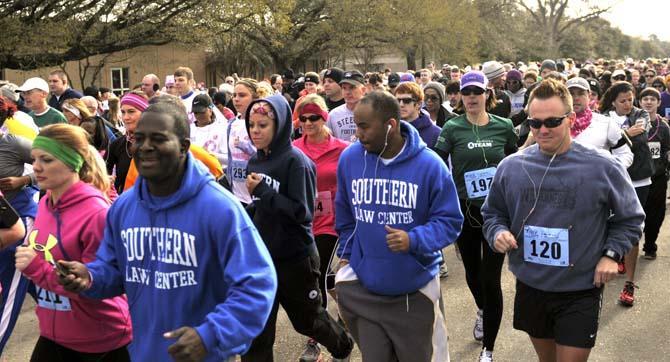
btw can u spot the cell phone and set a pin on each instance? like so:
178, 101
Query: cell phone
8, 216
61, 270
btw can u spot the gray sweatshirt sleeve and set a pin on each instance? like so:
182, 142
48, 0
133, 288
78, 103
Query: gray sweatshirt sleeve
494, 210
626, 223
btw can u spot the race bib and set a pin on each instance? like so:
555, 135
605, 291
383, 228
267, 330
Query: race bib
50, 300
478, 182
655, 148
547, 246
324, 204
239, 169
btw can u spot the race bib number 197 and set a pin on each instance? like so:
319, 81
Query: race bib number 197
478, 182
547, 246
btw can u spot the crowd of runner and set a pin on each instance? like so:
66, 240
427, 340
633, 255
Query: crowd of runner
172, 221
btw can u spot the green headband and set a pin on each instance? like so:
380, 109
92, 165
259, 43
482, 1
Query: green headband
68, 155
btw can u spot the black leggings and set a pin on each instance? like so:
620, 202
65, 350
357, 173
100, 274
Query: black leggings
325, 244
482, 271
47, 350
655, 210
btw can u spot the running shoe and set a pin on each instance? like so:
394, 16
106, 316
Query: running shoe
486, 356
650, 255
312, 352
478, 330
627, 296
622, 268
444, 272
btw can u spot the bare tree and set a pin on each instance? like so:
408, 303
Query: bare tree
552, 21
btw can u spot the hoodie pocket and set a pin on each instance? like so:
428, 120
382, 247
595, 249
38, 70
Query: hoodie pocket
391, 276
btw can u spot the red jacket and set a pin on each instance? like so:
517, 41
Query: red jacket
325, 156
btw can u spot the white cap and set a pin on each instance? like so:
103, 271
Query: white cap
578, 82
618, 72
34, 83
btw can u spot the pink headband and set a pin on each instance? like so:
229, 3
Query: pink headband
313, 108
136, 101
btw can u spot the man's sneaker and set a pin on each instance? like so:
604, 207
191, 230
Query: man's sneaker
650, 255
478, 330
627, 296
486, 356
622, 268
312, 352
444, 272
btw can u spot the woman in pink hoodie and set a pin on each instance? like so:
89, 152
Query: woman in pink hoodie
324, 150
69, 226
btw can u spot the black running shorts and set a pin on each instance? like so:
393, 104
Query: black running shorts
570, 318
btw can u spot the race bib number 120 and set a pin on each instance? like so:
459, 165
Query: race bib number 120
547, 246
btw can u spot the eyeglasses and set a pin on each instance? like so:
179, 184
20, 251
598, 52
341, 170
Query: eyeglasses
432, 98
549, 122
313, 118
406, 100
467, 91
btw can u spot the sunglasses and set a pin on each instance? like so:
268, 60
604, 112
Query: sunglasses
313, 118
648, 75
432, 98
406, 100
619, 77
472, 90
549, 122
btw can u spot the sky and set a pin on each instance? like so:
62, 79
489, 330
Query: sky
641, 17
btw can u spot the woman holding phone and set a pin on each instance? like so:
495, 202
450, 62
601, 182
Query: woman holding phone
69, 226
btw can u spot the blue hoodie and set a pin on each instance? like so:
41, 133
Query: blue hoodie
416, 193
428, 130
193, 259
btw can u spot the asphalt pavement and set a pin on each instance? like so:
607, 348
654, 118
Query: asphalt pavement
639, 333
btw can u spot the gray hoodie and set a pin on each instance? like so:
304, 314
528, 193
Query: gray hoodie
586, 197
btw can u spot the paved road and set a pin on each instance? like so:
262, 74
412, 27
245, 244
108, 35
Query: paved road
639, 333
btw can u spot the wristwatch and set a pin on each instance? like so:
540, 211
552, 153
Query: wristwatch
612, 255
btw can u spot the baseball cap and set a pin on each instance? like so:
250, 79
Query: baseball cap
335, 74
618, 72
353, 77
34, 83
9, 91
548, 64
201, 102
169, 80
493, 69
594, 85
474, 78
578, 82
394, 79
407, 77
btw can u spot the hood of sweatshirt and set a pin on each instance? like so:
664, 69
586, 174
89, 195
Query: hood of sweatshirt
423, 121
71, 199
196, 176
283, 124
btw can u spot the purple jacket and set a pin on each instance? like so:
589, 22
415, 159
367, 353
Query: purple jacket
427, 129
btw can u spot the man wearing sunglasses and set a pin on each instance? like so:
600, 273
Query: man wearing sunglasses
410, 97
552, 209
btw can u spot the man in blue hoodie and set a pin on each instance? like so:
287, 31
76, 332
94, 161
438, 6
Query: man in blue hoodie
396, 208
200, 283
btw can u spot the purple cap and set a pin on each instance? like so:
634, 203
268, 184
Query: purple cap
407, 77
514, 75
475, 78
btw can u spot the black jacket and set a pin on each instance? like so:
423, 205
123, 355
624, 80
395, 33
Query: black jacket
642, 166
283, 203
659, 135
58, 103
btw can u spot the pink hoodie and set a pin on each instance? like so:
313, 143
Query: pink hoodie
325, 156
73, 230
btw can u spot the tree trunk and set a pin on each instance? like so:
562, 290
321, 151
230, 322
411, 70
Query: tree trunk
410, 56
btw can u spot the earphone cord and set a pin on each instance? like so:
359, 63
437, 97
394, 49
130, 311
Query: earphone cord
332, 254
536, 193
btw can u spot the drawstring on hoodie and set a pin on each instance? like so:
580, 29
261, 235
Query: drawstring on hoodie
407, 302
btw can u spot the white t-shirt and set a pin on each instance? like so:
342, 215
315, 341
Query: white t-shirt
341, 123
240, 150
188, 103
213, 137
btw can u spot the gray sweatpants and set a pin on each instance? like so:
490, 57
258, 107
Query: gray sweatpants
400, 328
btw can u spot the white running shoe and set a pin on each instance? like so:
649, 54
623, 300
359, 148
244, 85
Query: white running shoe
486, 356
